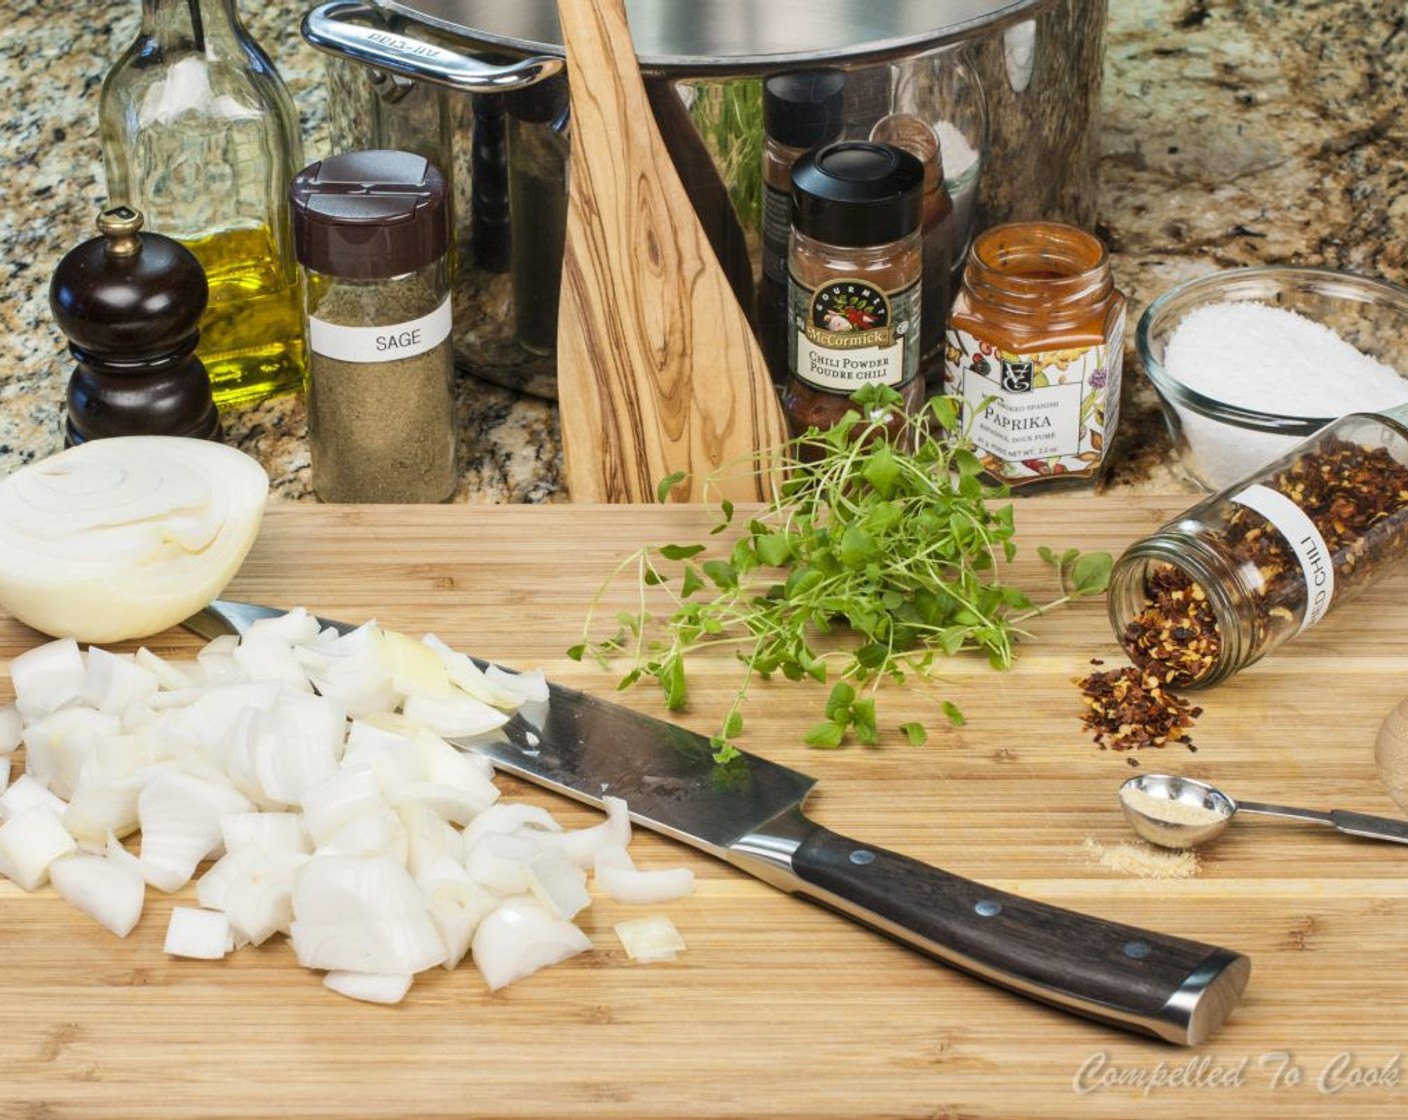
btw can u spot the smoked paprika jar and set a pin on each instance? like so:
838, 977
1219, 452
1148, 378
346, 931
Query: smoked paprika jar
1034, 348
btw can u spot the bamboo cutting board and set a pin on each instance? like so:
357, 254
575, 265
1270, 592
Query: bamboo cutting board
779, 1008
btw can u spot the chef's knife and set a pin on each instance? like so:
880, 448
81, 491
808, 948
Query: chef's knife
749, 813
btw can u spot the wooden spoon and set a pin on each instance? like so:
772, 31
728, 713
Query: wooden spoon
657, 369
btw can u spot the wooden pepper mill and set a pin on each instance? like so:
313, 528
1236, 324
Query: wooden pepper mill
130, 304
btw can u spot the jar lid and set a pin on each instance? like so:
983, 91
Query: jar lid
370, 215
857, 193
804, 108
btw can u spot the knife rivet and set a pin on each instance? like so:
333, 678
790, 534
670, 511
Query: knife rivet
1137, 950
987, 908
862, 857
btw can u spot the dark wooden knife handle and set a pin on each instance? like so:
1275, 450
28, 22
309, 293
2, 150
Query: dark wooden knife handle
1174, 989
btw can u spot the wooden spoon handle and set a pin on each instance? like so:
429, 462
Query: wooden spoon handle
658, 369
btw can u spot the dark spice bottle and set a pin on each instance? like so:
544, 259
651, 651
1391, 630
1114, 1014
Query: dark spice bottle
1247, 569
1036, 336
854, 280
801, 110
130, 303
372, 232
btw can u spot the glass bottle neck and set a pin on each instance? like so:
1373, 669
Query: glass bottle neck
1039, 271
197, 24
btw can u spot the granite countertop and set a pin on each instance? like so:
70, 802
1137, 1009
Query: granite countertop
1235, 132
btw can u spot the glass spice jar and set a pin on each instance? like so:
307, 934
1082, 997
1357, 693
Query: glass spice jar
1035, 347
1245, 570
372, 233
855, 268
801, 110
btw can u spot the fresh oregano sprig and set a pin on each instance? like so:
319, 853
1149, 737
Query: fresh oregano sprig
896, 552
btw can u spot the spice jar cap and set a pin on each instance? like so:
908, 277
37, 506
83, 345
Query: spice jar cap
370, 215
857, 193
804, 108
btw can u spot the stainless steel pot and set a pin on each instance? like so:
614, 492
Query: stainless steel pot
479, 86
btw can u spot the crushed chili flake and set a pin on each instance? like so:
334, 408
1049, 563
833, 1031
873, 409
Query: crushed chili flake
1175, 636
1128, 710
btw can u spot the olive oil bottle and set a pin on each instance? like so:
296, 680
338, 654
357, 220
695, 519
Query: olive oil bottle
200, 134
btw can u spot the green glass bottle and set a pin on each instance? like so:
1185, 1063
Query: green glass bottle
200, 134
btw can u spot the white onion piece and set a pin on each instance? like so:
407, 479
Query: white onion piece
620, 879
101, 805
11, 728
457, 908
264, 833
467, 676
25, 794
518, 938
404, 942
57, 745
416, 670
295, 628
46, 677
650, 940
111, 893
113, 683
529, 686
369, 987
269, 659
213, 888
199, 934
5, 768
427, 838
379, 833
259, 899
29, 843
352, 668
180, 819
510, 818
500, 862
580, 845
120, 538
170, 675
304, 748
331, 805
455, 715
217, 661
457, 805
558, 884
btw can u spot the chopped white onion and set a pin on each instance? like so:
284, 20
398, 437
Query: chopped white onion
113, 683
264, 833
11, 728
259, 898
370, 987
24, 794
332, 805
416, 669
620, 879
559, 884
47, 677
29, 843
199, 934
518, 938
122, 537
499, 861
511, 818
110, 892
180, 819
466, 675
650, 940
57, 744
455, 715
457, 908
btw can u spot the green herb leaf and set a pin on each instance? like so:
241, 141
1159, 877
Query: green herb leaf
723, 574
680, 551
577, 652
827, 735
668, 483
1090, 573
915, 733
840, 701
955, 717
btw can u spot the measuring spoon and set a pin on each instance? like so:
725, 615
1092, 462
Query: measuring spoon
1176, 812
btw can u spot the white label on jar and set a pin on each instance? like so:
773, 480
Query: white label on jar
848, 333
388, 343
1305, 540
1036, 415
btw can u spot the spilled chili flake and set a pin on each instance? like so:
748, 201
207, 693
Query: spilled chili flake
1127, 709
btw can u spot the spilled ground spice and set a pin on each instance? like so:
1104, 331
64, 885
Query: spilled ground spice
1128, 709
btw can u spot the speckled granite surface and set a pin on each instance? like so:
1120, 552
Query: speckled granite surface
1235, 132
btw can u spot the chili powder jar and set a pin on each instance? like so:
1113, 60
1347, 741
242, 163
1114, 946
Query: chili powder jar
1034, 348
1247, 569
855, 268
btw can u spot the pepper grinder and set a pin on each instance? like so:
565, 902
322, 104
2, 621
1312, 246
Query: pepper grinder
130, 304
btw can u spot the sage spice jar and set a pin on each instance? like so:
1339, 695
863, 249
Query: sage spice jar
372, 231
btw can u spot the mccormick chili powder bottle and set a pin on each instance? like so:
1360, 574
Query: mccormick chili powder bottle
855, 267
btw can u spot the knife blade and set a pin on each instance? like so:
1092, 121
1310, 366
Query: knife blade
749, 812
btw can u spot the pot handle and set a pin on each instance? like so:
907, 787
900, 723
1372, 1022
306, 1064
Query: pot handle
331, 28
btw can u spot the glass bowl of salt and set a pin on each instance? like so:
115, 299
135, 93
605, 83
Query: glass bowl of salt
1250, 361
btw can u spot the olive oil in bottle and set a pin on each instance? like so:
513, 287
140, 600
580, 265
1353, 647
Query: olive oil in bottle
200, 134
